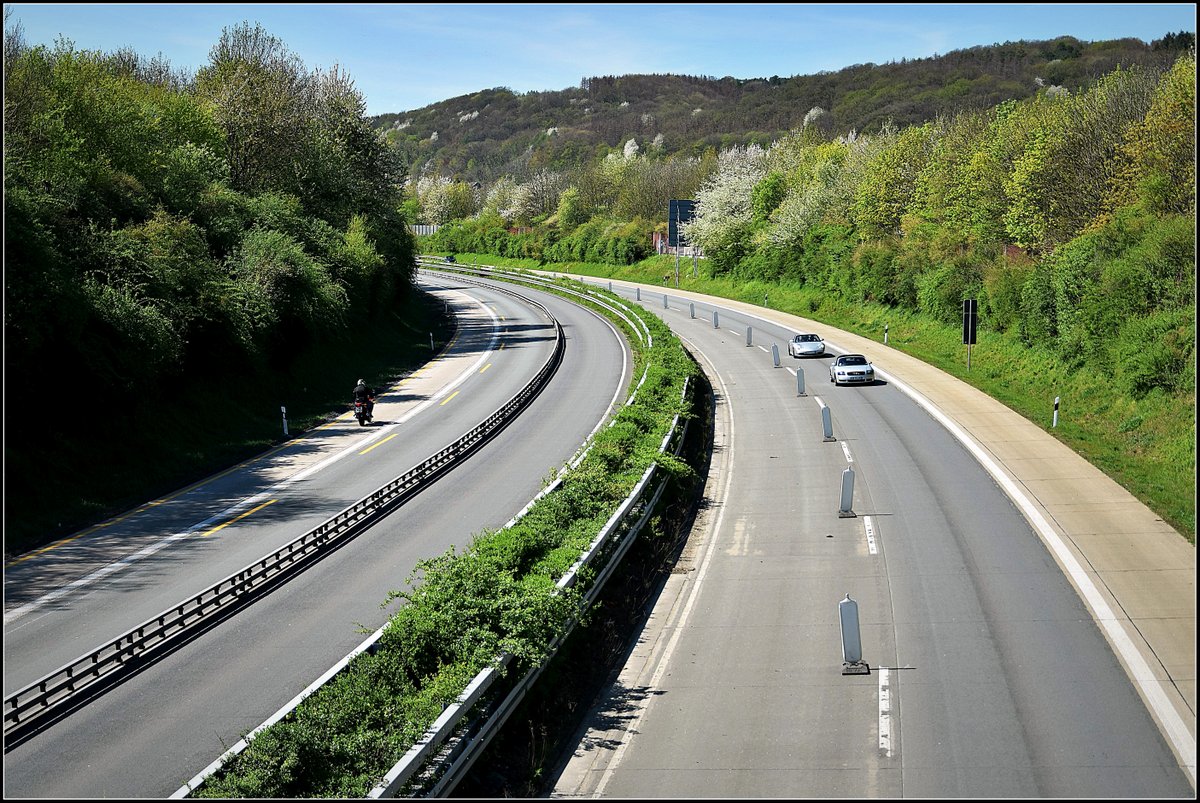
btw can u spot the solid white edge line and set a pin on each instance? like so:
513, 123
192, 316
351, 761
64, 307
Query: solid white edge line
661, 667
195, 782
1173, 726
869, 527
885, 711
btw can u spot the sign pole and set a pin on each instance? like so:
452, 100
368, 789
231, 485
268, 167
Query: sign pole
970, 319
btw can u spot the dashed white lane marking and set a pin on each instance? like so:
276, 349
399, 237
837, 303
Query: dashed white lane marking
870, 528
846, 451
885, 712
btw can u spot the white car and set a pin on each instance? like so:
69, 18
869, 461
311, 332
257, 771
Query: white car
806, 345
851, 369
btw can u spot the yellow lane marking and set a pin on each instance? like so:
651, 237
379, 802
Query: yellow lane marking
381, 443
484, 368
59, 543
201, 483
244, 515
448, 398
97, 527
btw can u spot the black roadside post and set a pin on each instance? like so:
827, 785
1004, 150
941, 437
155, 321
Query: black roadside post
970, 316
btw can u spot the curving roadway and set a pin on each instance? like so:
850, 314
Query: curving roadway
151, 733
990, 674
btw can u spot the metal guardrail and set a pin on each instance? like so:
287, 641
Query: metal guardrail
636, 324
460, 748
51, 694
452, 742
437, 761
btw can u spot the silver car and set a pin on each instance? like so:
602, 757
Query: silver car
851, 369
805, 345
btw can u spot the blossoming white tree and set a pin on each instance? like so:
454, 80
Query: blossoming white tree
723, 201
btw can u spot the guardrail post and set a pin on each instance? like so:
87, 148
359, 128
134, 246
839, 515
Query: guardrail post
852, 662
693, 310
800, 382
847, 494
283, 410
749, 335
775, 353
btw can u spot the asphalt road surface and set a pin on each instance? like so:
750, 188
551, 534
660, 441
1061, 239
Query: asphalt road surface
989, 676
156, 730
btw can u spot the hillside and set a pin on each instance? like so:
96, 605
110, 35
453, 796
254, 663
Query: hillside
495, 132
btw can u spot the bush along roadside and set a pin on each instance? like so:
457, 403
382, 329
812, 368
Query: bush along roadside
464, 610
526, 757
1146, 443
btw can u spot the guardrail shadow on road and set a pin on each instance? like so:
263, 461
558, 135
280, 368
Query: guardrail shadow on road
618, 712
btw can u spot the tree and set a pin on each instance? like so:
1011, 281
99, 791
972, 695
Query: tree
571, 212
263, 98
962, 185
538, 196
723, 202
886, 192
1157, 161
819, 189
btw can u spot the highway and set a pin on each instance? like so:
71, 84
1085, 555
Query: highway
989, 675
154, 731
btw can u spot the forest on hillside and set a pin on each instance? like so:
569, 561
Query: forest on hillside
495, 132
1069, 215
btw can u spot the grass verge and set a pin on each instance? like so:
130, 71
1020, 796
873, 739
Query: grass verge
1147, 445
496, 596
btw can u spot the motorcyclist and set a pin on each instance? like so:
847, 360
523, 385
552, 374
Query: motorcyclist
365, 394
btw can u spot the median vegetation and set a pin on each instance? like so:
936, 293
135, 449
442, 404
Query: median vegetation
462, 610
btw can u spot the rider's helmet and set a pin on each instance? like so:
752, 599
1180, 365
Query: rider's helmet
362, 382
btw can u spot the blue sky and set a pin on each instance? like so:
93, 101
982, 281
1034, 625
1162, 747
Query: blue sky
404, 57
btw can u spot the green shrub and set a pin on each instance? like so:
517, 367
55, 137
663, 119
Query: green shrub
1158, 351
498, 595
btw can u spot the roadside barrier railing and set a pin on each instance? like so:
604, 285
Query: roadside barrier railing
443, 756
439, 759
33, 705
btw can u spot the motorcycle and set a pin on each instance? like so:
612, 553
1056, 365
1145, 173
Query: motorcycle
361, 412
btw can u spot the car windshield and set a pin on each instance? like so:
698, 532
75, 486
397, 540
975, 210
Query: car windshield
854, 360
807, 339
